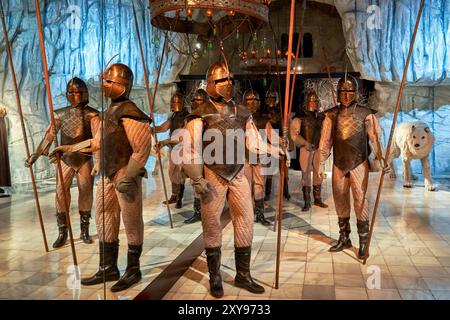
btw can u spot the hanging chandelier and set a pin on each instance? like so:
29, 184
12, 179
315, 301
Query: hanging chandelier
209, 17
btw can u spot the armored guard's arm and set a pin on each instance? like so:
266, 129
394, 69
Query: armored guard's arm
95, 128
326, 141
163, 127
45, 144
192, 156
294, 132
257, 145
374, 132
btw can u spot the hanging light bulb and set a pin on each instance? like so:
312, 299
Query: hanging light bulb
231, 13
189, 12
268, 52
209, 13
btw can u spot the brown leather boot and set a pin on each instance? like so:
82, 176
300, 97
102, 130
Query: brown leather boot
317, 190
344, 241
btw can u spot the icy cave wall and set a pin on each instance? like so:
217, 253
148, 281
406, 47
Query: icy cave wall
74, 41
378, 34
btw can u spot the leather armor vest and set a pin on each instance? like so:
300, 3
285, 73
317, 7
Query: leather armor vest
177, 120
275, 118
75, 127
260, 120
350, 140
116, 147
311, 128
230, 117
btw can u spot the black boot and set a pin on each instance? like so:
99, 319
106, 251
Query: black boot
286, 194
268, 188
85, 216
107, 270
197, 216
215, 278
344, 239
180, 195
173, 198
317, 190
363, 232
62, 226
243, 278
133, 273
306, 198
259, 213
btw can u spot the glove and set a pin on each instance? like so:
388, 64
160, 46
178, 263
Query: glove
96, 169
195, 172
200, 185
53, 156
128, 183
31, 160
284, 144
321, 172
309, 147
386, 167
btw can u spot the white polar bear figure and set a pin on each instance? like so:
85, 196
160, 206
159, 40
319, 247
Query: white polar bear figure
411, 141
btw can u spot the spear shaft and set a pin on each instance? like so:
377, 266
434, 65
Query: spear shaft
53, 125
150, 103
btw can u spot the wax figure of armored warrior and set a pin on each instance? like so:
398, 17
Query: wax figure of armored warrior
199, 98
176, 121
348, 128
255, 171
273, 113
76, 123
123, 154
305, 132
219, 180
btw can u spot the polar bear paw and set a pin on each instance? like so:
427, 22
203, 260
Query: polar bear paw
407, 185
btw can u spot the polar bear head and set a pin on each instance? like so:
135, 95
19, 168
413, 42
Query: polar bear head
420, 139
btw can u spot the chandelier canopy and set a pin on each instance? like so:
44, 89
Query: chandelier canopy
205, 17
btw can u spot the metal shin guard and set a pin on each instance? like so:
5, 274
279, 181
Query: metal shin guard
197, 216
317, 192
62, 227
180, 196
133, 273
215, 278
306, 198
344, 239
259, 213
107, 271
85, 216
268, 188
175, 191
243, 278
363, 232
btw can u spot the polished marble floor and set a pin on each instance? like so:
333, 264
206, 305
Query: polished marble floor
28, 272
410, 250
409, 256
